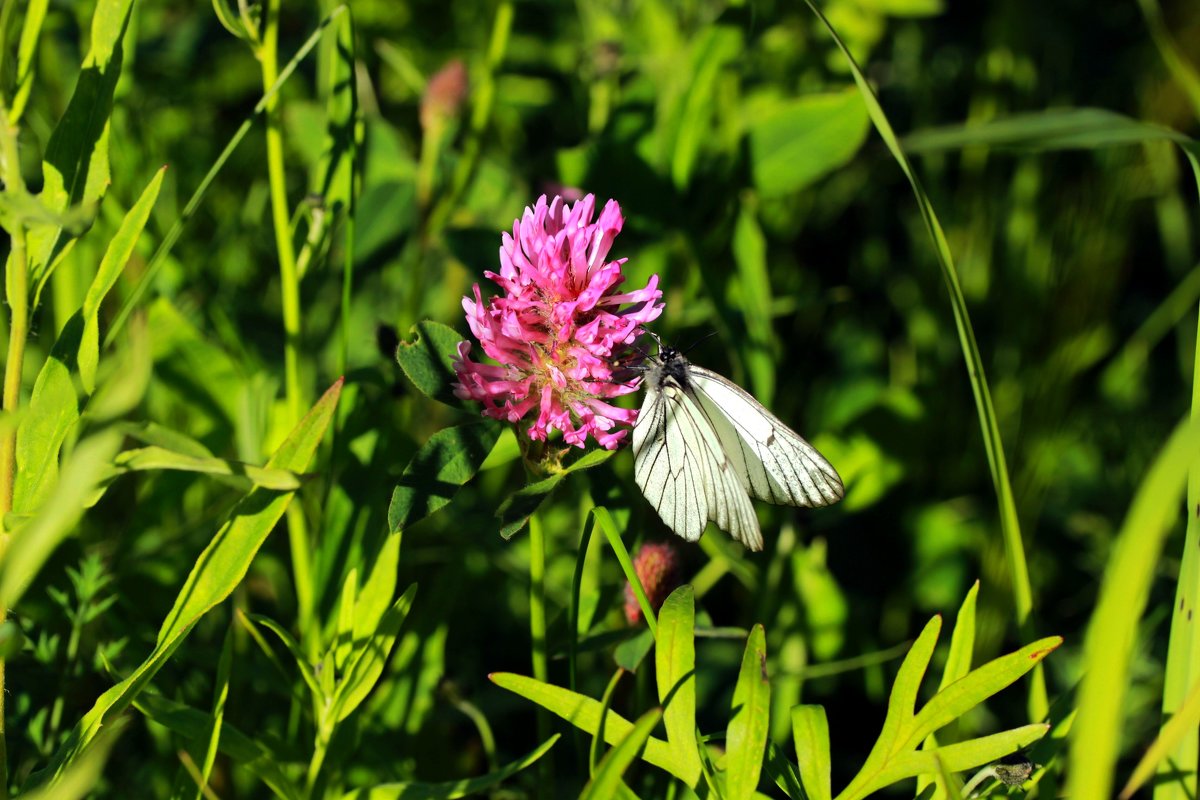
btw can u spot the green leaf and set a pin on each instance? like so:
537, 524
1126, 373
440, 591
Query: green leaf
52, 412
428, 360
597, 745
805, 139
195, 726
220, 695
85, 775
606, 783
1111, 634
448, 460
746, 738
366, 665
630, 653
157, 458
31, 28
518, 507
75, 169
584, 713
958, 662
218, 571
675, 673
609, 528
964, 694
1053, 129
810, 730
450, 789
956, 757
115, 258
34, 540
152, 433
1182, 723
293, 648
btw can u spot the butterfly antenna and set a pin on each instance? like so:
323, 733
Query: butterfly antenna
698, 342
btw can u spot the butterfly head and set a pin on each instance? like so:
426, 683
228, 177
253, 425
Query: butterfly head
670, 367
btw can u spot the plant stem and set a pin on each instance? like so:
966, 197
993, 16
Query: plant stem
289, 280
537, 630
17, 291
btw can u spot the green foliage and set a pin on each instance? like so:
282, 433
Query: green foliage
249, 623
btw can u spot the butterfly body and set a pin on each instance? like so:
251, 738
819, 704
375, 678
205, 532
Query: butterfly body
703, 446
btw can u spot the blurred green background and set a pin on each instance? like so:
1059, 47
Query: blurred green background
754, 186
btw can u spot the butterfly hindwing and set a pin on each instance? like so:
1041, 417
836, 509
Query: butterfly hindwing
684, 471
774, 462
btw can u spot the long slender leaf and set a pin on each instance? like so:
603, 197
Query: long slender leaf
746, 739
1181, 724
810, 730
606, 783
1014, 548
216, 574
675, 674
584, 713
1108, 647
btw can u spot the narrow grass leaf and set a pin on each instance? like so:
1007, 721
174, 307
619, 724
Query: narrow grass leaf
949, 785
596, 750
428, 360
366, 666
1108, 646
217, 572
345, 619
606, 782
746, 738
451, 789
294, 650
1181, 724
605, 520
246, 752
1014, 547
164, 248
220, 695
810, 730
584, 713
445, 463
85, 775
152, 458
114, 260
675, 675
964, 694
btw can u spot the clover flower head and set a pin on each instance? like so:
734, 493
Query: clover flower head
658, 568
560, 328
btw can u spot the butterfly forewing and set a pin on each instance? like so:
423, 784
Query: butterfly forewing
774, 462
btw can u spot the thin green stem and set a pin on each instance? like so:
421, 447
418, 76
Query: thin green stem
289, 279
17, 290
537, 631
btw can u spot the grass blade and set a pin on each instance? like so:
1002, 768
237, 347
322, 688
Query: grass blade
675, 671
1108, 648
1014, 547
810, 730
1181, 725
746, 738
606, 783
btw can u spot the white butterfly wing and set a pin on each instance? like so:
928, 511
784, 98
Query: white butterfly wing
684, 472
774, 462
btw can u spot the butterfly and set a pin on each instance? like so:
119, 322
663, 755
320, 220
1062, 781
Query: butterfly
703, 446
